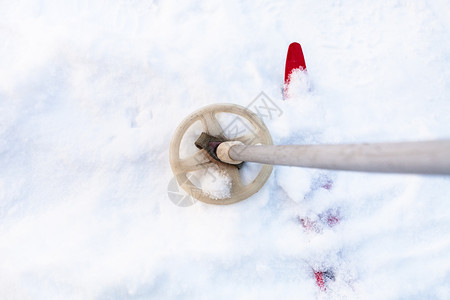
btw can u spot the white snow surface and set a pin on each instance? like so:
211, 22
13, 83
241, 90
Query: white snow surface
92, 91
214, 182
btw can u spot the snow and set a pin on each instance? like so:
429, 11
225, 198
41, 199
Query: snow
92, 91
213, 182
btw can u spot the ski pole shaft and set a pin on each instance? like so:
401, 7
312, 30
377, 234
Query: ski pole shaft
428, 157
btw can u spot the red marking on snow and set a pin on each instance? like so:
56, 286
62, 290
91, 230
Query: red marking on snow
331, 217
320, 280
328, 185
294, 60
332, 220
309, 225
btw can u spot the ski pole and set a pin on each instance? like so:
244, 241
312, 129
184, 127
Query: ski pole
427, 157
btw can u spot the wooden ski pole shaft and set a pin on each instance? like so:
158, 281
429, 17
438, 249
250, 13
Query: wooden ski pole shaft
428, 157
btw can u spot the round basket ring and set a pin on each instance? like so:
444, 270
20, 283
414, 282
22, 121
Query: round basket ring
239, 191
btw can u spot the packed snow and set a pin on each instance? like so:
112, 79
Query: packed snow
92, 91
213, 181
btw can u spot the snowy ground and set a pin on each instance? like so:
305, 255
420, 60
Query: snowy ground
92, 91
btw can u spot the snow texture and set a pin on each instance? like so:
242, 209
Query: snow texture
92, 91
213, 182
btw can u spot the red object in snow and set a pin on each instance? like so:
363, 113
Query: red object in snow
332, 220
294, 60
320, 280
328, 184
309, 225
322, 277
